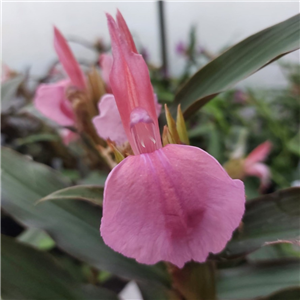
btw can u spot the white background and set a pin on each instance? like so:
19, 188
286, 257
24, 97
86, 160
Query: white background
27, 29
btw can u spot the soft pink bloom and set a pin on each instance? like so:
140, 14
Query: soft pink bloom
109, 124
50, 99
181, 48
254, 167
175, 203
105, 62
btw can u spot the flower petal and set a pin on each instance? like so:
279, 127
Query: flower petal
68, 60
51, 101
260, 153
175, 204
261, 171
125, 32
130, 83
108, 124
105, 62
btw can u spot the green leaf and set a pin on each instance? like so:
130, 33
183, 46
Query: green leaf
35, 138
276, 251
286, 294
256, 280
268, 218
9, 89
90, 193
73, 225
36, 238
237, 63
31, 274
294, 144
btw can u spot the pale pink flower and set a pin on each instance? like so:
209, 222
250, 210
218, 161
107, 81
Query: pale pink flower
6, 73
174, 203
109, 124
253, 165
50, 99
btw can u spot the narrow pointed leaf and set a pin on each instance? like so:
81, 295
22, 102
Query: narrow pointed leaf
9, 89
90, 193
269, 218
237, 63
257, 280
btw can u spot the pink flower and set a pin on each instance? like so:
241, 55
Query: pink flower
109, 124
7, 73
50, 99
254, 167
174, 203
181, 48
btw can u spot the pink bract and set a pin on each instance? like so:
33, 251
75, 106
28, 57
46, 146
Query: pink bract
131, 86
175, 204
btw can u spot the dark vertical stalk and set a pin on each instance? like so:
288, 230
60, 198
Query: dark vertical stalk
163, 43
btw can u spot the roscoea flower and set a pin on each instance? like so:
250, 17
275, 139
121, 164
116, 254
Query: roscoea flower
51, 99
174, 203
253, 165
239, 167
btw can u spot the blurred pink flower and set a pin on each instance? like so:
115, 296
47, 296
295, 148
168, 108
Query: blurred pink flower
175, 203
50, 99
6, 73
253, 165
181, 48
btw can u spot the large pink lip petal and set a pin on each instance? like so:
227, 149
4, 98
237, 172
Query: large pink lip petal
68, 60
108, 124
51, 101
260, 153
130, 83
175, 204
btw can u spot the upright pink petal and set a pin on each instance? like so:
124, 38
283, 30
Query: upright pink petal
108, 124
50, 100
260, 153
131, 86
175, 204
68, 60
106, 61
261, 171
125, 32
